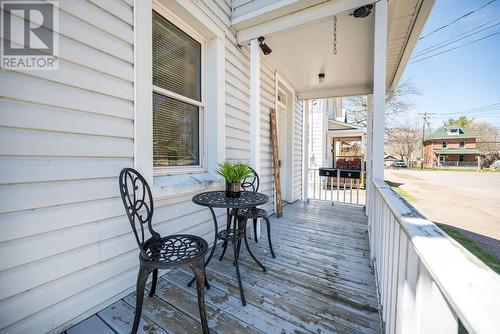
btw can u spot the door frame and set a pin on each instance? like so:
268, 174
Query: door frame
286, 171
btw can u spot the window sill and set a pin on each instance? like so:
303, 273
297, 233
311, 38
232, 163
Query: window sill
162, 172
177, 185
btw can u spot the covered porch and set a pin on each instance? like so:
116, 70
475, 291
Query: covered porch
374, 267
377, 267
320, 282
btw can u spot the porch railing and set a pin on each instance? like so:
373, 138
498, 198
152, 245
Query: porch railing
457, 164
427, 282
335, 188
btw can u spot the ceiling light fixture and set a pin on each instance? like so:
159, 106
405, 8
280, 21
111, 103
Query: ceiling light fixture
362, 12
263, 46
321, 78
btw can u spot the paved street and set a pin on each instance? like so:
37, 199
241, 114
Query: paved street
469, 201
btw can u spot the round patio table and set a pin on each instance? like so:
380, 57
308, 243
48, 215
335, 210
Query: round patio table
246, 201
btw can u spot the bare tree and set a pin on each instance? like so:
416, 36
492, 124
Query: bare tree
399, 102
488, 137
404, 139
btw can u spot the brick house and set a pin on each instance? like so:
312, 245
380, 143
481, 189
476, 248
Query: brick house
451, 146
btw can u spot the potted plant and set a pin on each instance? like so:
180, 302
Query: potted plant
234, 173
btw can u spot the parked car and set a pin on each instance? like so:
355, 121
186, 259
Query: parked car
399, 164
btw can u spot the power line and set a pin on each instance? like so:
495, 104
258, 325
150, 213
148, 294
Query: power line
489, 107
488, 116
463, 33
473, 113
456, 20
494, 105
459, 46
454, 40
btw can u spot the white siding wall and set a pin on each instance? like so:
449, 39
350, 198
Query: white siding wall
297, 149
237, 103
267, 101
66, 247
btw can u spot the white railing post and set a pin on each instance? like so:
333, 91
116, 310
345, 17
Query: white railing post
369, 151
255, 109
426, 281
305, 149
379, 72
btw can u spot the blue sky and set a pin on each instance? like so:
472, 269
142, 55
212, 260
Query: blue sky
462, 79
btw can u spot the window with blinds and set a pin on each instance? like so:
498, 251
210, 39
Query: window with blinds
177, 96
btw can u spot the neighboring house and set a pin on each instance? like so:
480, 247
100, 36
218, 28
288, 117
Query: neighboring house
346, 144
388, 160
451, 146
330, 136
318, 129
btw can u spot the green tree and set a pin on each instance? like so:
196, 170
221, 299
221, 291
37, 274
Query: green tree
462, 122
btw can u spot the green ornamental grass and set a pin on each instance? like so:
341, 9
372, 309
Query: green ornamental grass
233, 172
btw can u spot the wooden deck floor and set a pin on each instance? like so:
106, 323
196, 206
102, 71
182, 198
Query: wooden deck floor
320, 282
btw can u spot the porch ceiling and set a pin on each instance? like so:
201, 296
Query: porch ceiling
300, 54
301, 37
345, 130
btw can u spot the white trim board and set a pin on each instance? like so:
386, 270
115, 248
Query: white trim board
190, 17
299, 18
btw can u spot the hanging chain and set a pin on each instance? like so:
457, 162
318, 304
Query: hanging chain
335, 35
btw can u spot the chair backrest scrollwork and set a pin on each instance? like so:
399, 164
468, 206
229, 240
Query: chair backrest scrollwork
138, 203
252, 182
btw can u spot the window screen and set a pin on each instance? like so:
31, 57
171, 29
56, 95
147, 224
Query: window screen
176, 69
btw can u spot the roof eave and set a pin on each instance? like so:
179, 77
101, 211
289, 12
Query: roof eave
418, 24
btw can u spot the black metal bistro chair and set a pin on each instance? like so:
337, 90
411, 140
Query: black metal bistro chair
252, 183
181, 250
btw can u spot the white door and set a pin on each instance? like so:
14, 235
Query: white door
284, 113
282, 147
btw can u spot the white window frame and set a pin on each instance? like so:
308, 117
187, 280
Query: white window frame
174, 184
188, 30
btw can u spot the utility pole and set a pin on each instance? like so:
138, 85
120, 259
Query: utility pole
426, 115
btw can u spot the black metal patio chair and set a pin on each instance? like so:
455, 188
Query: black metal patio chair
252, 183
156, 252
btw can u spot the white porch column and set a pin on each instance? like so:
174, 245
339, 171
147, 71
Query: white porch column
379, 64
255, 110
143, 106
305, 150
255, 105
369, 151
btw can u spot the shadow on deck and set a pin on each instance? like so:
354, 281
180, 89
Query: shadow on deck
320, 282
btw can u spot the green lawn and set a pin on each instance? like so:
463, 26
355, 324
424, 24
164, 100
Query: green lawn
467, 243
472, 247
395, 186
